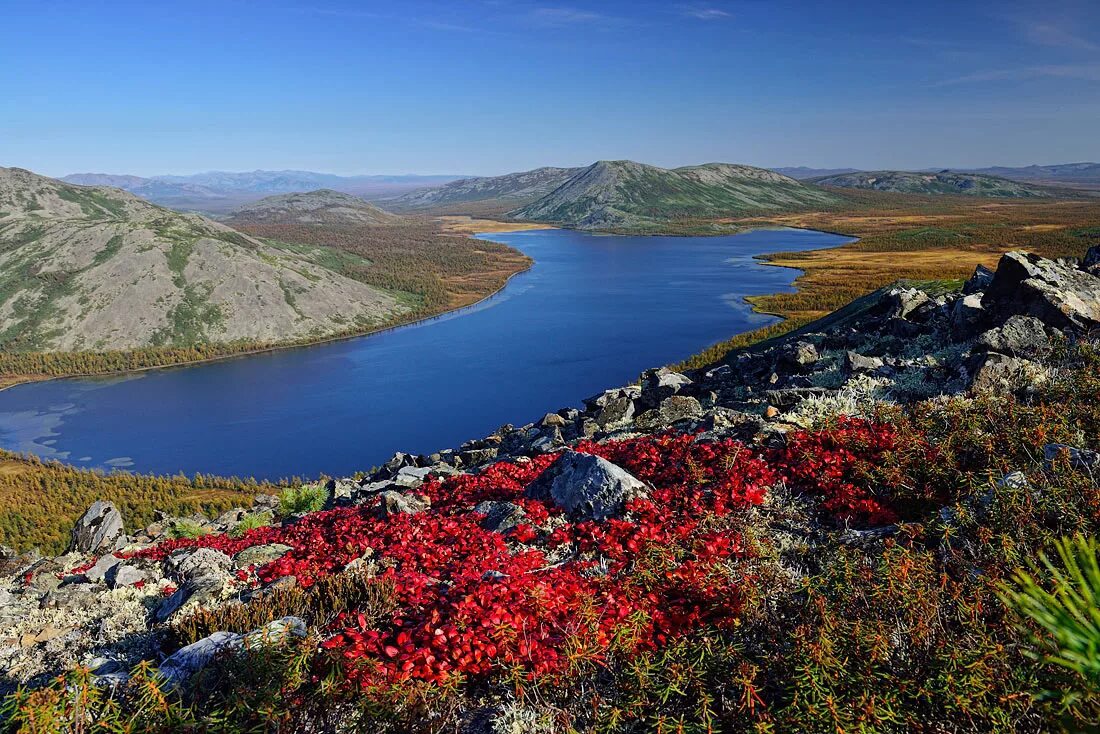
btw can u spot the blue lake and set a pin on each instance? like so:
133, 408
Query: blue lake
592, 313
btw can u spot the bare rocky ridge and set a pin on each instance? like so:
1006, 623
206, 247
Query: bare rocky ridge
625, 195
85, 268
321, 207
899, 344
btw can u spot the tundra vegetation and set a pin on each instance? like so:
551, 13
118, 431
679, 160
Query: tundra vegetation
673, 558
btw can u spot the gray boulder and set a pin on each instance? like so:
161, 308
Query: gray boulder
122, 575
396, 503
1078, 458
178, 668
98, 529
967, 314
797, 357
1091, 263
203, 563
617, 413
979, 281
259, 555
1000, 374
664, 379
587, 487
190, 594
903, 303
856, 363
1019, 336
678, 408
1060, 295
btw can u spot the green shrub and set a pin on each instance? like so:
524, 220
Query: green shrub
184, 528
302, 500
251, 521
1063, 599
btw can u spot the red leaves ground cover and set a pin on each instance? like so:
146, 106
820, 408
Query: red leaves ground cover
838, 464
551, 593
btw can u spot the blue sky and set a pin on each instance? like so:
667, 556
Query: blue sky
491, 86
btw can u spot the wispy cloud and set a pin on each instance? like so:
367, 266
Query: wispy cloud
1081, 72
1058, 35
705, 13
563, 16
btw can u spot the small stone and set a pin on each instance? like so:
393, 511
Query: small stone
123, 575
259, 555
500, 516
798, 356
396, 503
97, 574
276, 632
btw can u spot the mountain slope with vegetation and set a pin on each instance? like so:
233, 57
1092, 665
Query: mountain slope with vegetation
942, 182
94, 269
321, 207
629, 196
510, 190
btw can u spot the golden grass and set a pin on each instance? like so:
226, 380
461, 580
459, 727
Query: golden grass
472, 225
918, 238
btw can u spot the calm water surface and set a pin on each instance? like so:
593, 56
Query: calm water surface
592, 313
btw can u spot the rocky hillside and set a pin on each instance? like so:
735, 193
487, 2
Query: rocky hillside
321, 207
513, 188
818, 534
624, 195
99, 269
943, 182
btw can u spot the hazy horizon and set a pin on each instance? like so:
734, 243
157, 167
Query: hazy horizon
432, 174
487, 87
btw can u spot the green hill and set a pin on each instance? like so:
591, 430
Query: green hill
943, 182
629, 196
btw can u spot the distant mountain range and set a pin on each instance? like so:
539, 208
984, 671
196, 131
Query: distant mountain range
941, 182
218, 192
515, 188
322, 207
802, 172
88, 268
1069, 173
630, 196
